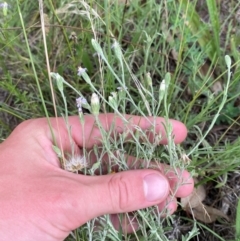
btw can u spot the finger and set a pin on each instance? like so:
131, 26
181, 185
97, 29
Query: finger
115, 193
181, 182
89, 134
168, 207
126, 222
35, 134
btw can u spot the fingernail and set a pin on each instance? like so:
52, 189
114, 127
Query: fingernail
155, 187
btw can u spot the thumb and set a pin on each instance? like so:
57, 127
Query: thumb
121, 192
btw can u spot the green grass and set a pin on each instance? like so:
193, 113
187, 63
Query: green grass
133, 47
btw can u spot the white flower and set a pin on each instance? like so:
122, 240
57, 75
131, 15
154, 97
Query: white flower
80, 102
81, 71
4, 5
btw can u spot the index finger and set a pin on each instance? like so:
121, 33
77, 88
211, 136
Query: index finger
89, 133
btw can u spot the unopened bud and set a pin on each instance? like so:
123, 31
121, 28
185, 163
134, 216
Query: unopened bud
4, 7
117, 50
162, 90
95, 106
163, 86
113, 100
149, 79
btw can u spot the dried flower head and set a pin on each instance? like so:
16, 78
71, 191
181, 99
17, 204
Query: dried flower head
75, 163
73, 37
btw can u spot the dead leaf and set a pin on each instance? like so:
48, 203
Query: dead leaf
207, 214
195, 198
193, 205
217, 87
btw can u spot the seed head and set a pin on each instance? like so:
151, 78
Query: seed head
76, 163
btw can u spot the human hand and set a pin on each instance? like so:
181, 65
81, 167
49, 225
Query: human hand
41, 201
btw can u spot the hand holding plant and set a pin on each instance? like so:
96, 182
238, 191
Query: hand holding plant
41, 201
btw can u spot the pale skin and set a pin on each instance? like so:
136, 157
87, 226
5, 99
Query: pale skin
41, 201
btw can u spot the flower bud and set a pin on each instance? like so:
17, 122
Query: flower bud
95, 106
4, 7
117, 50
112, 99
163, 86
149, 79
162, 90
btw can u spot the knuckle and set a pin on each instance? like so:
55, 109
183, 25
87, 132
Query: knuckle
119, 193
28, 126
23, 126
30, 122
